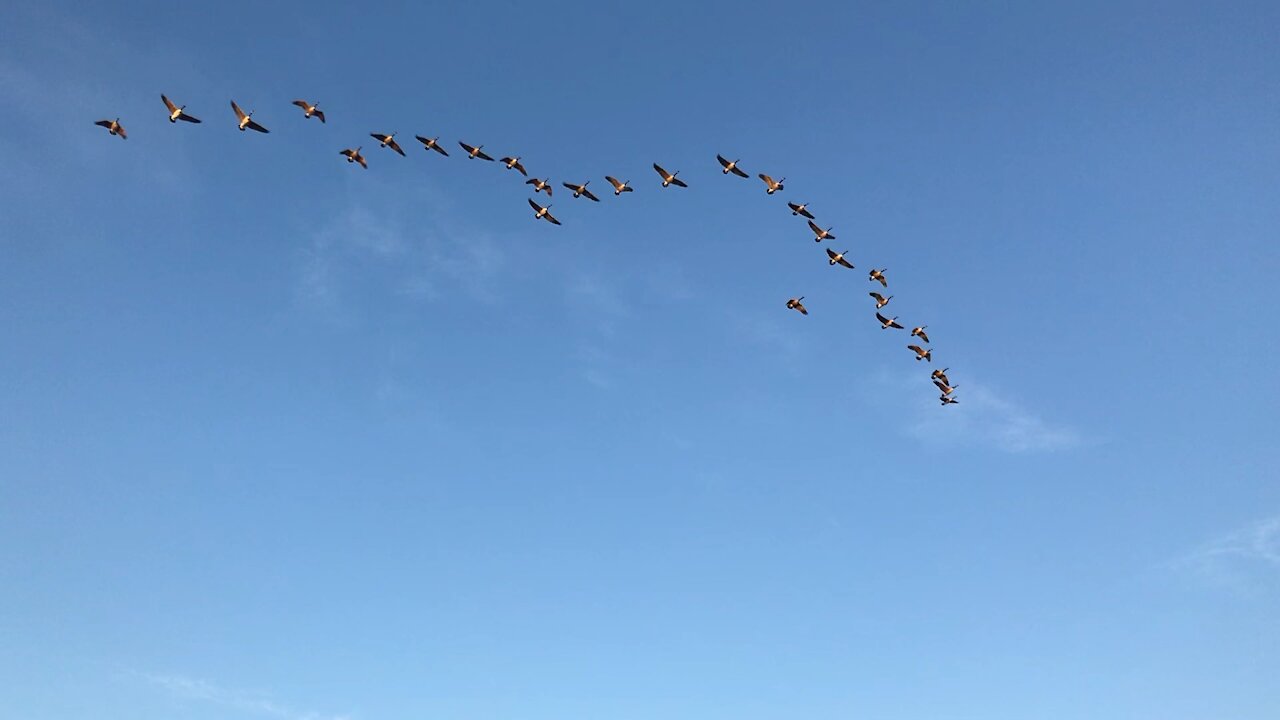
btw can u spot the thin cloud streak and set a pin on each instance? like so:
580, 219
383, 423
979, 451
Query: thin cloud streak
1224, 559
255, 704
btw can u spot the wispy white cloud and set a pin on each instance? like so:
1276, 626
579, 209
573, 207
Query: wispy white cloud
1233, 558
250, 703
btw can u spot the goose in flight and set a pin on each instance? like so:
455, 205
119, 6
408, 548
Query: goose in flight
800, 209
946, 389
837, 258
388, 141
354, 156
919, 332
582, 190
431, 144
618, 187
245, 120
921, 353
730, 166
771, 186
819, 234
513, 163
795, 304
178, 112
886, 323
940, 375
542, 213
669, 178
539, 185
948, 400
878, 275
475, 152
881, 300
309, 109
114, 127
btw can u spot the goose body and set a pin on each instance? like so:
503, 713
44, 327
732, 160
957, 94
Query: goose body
619, 187
245, 120
878, 276
388, 141
940, 375
113, 128
543, 213
947, 400
354, 156
795, 304
886, 323
730, 166
945, 388
772, 186
669, 178
178, 112
919, 332
431, 144
513, 163
539, 185
581, 190
921, 353
309, 110
475, 152
881, 300
819, 234
837, 258
800, 209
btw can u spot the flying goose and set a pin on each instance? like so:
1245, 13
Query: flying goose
582, 190
919, 332
881, 300
431, 144
878, 275
819, 234
539, 185
886, 323
838, 258
795, 304
669, 178
513, 163
940, 375
770, 186
921, 353
618, 187
388, 141
354, 156
800, 209
948, 400
177, 112
543, 213
309, 109
474, 152
114, 127
731, 166
946, 388
245, 120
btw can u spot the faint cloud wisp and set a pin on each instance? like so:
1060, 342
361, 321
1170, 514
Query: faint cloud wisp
238, 700
1226, 559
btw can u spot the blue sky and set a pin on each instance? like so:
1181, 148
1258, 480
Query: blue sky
282, 438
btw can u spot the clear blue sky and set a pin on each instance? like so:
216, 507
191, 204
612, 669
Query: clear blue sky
282, 438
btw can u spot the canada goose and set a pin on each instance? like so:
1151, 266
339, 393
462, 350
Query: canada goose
838, 258
513, 163
770, 186
669, 178
245, 120
819, 234
731, 166
388, 141
542, 213
114, 127
919, 332
539, 185
474, 152
881, 300
582, 190
878, 275
940, 375
795, 304
309, 109
946, 388
354, 156
921, 353
886, 323
618, 187
431, 144
948, 400
801, 209
177, 112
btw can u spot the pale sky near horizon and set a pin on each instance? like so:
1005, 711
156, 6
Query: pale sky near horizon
284, 438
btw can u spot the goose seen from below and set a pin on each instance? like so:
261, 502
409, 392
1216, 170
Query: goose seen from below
837, 258
669, 178
771, 186
819, 234
730, 166
432, 144
245, 120
795, 304
619, 187
178, 112
539, 185
543, 213
919, 332
582, 191
513, 163
921, 353
309, 110
354, 156
388, 141
886, 323
113, 127
878, 276
881, 300
800, 209
474, 152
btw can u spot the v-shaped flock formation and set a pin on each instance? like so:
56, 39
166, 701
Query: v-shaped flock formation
245, 121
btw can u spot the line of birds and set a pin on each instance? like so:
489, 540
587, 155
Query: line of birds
245, 121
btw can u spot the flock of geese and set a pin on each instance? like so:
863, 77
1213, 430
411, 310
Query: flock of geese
245, 121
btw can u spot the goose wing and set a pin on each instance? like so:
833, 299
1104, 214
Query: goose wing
614, 182
253, 125
391, 143
169, 104
849, 265
188, 118
589, 195
916, 349
767, 180
883, 320
678, 182
814, 227
467, 148
302, 104
104, 123
878, 297
724, 163
658, 168
481, 154
738, 171
239, 113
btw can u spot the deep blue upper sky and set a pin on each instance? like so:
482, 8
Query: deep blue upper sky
283, 438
